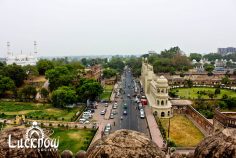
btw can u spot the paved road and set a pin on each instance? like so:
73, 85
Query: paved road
132, 120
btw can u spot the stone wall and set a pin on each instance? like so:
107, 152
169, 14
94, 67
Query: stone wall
221, 121
197, 118
204, 125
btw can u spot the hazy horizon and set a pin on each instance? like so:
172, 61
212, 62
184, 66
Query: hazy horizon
109, 27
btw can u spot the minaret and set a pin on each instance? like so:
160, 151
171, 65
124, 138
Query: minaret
35, 48
8, 49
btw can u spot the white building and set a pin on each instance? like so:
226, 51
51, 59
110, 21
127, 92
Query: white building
156, 89
21, 59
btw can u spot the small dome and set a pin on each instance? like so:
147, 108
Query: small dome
162, 79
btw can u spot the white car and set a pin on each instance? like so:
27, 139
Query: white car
103, 112
86, 122
106, 131
82, 120
108, 126
106, 104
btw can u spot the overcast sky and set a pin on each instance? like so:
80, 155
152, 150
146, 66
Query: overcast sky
92, 27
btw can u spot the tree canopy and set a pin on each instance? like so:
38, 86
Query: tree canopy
6, 84
59, 76
108, 73
63, 97
43, 65
88, 89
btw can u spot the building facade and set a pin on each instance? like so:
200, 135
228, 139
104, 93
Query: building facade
21, 59
156, 89
225, 51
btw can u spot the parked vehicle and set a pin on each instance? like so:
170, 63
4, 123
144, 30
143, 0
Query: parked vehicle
111, 116
103, 112
108, 126
106, 132
106, 104
87, 122
125, 112
114, 112
82, 120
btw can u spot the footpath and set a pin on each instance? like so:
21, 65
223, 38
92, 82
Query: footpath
153, 128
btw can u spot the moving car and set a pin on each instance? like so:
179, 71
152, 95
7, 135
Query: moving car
103, 112
125, 112
125, 106
108, 126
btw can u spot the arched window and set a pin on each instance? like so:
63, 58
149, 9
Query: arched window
158, 102
166, 102
162, 91
155, 113
162, 114
168, 113
158, 90
162, 102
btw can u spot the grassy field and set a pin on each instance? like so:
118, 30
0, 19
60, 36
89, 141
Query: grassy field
192, 93
73, 139
182, 131
107, 92
36, 111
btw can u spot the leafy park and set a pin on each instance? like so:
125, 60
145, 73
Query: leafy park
73, 139
183, 133
107, 92
38, 111
203, 93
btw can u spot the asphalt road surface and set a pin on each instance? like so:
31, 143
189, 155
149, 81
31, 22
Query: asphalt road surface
132, 120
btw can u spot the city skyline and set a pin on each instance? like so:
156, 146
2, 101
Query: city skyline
77, 28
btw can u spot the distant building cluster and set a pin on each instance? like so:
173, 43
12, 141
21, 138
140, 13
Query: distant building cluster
219, 64
21, 59
225, 51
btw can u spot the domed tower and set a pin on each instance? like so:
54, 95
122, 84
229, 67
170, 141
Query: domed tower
163, 106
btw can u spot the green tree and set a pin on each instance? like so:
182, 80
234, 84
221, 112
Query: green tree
225, 80
89, 89
6, 84
209, 68
28, 93
217, 91
108, 73
117, 63
135, 64
212, 56
44, 93
59, 76
189, 83
63, 97
30, 71
43, 65
195, 56
16, 73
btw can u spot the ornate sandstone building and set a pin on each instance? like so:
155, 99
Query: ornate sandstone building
156, 89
